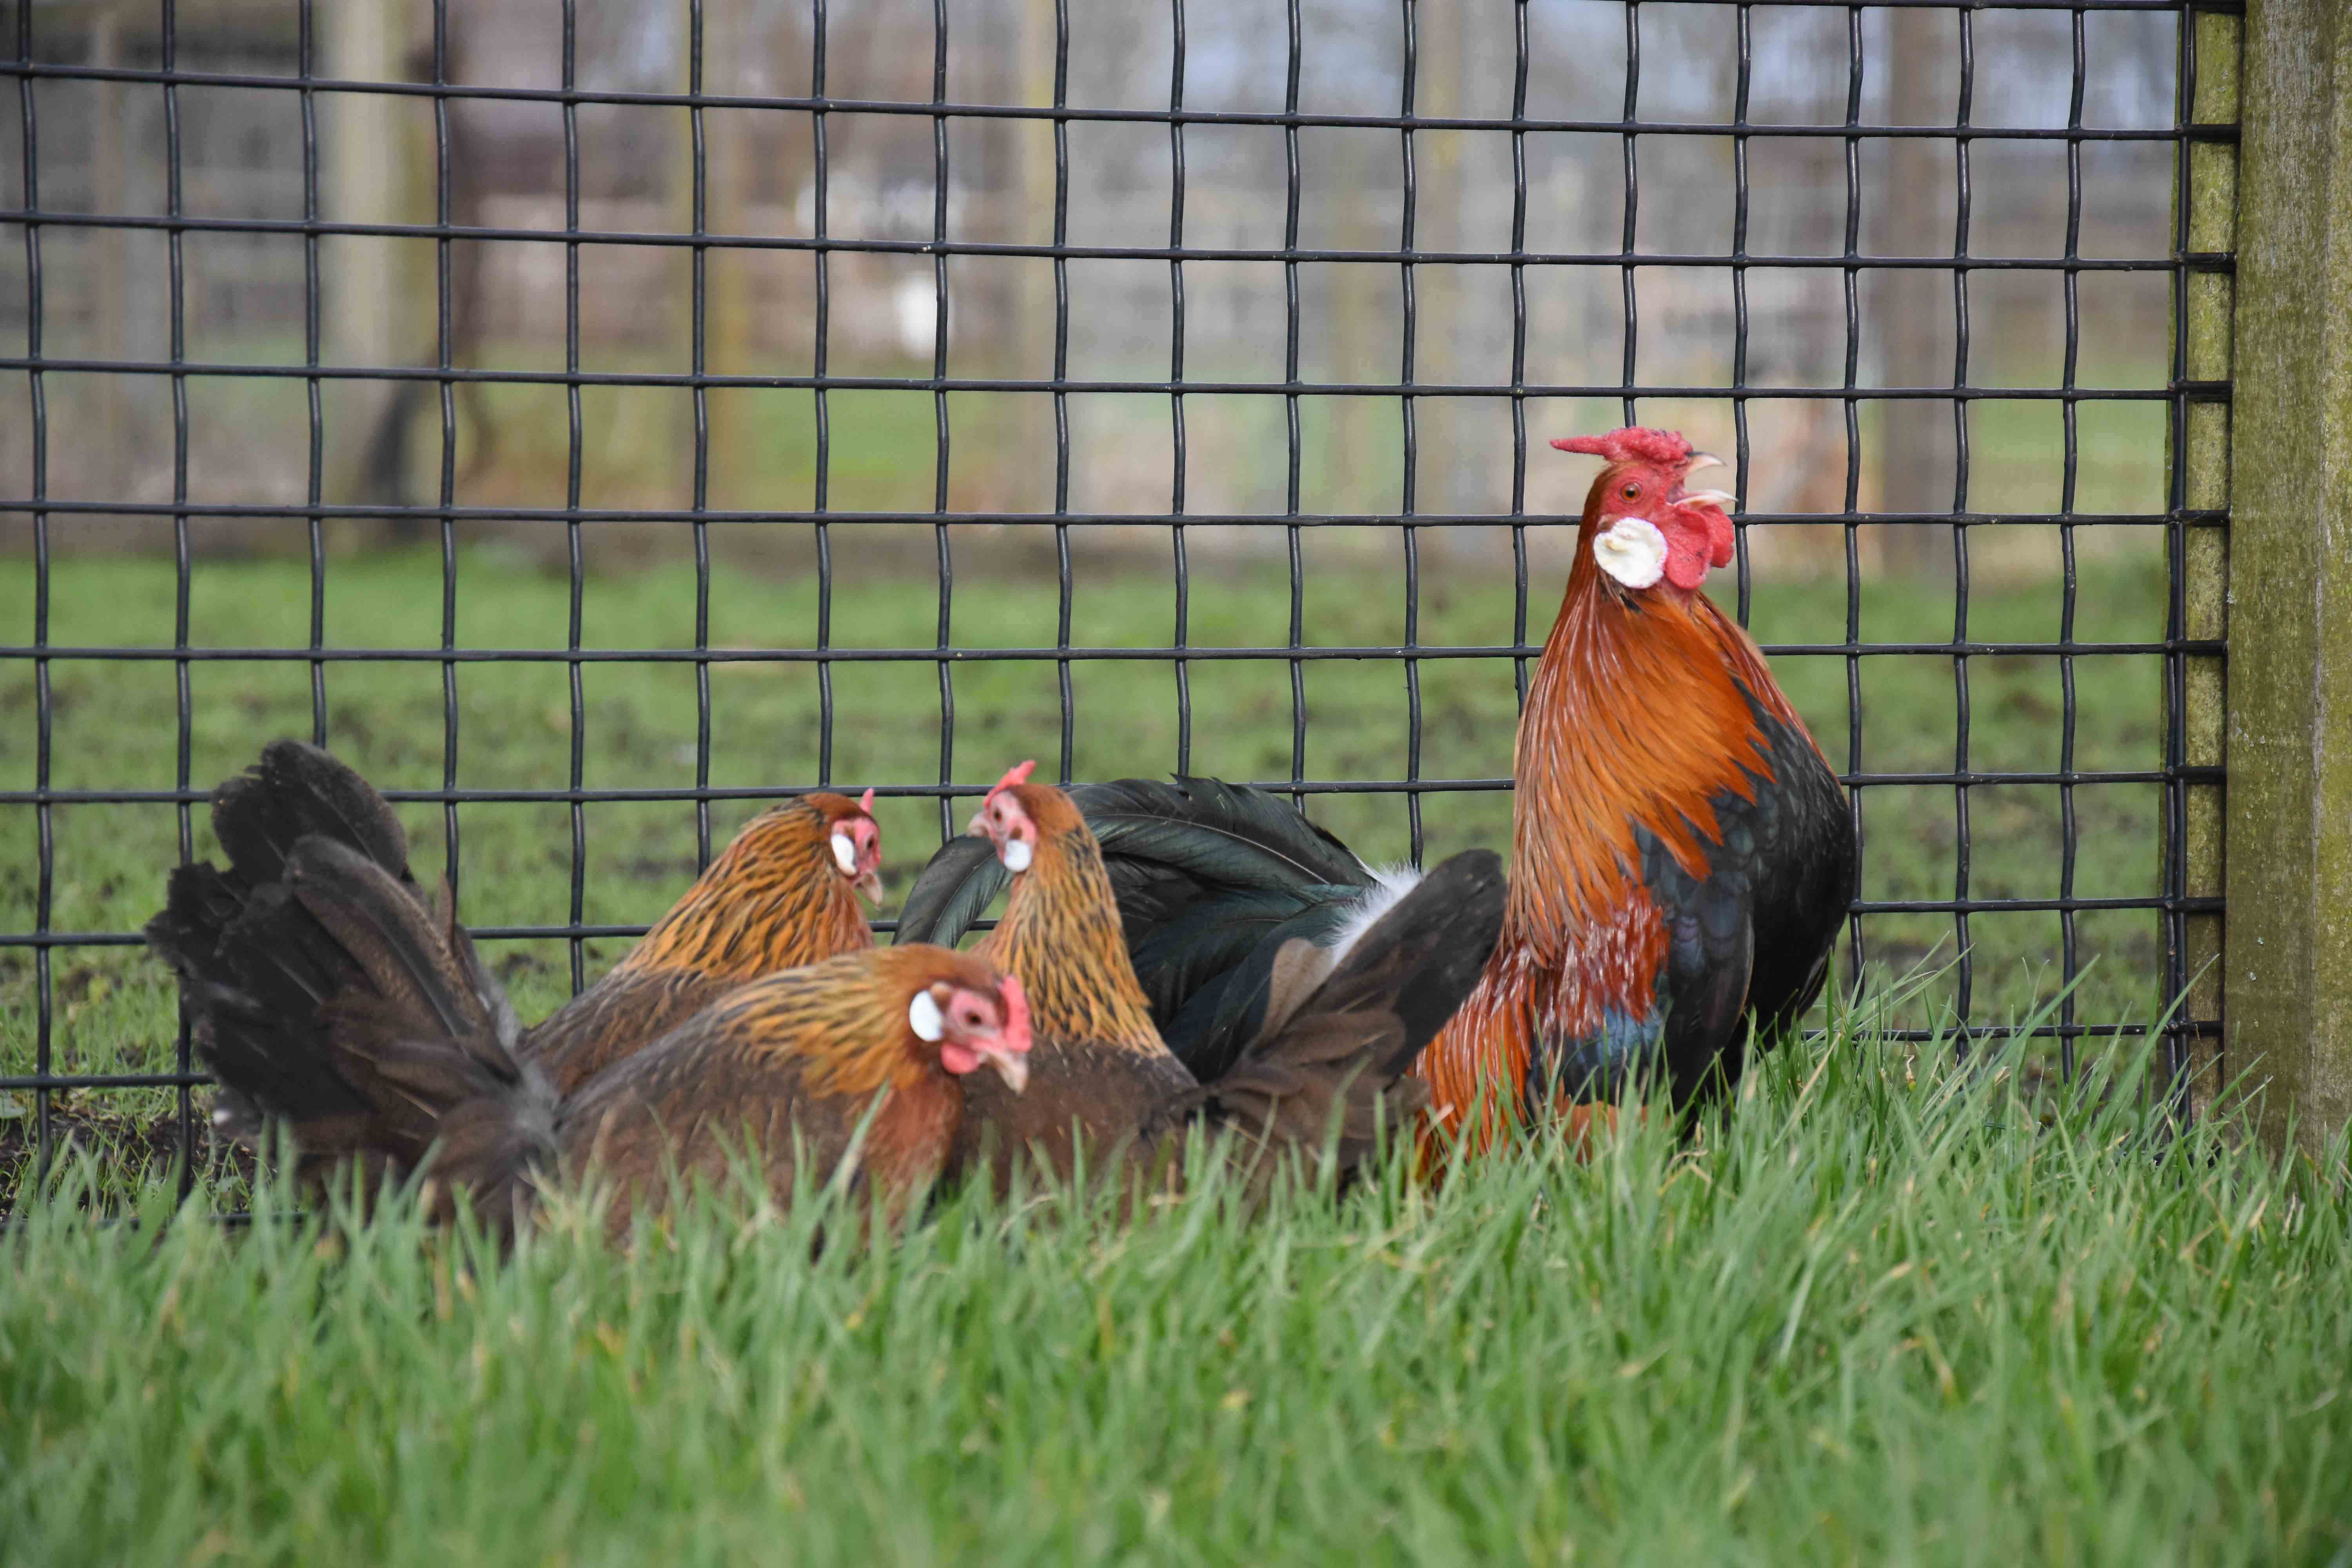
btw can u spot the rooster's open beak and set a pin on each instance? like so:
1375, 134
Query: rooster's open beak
1723, 498
1701, 461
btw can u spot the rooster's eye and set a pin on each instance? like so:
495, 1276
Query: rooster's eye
1632, 492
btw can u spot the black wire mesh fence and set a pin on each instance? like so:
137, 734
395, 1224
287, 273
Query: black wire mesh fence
1923, 268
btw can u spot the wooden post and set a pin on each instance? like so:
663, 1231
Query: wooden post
2289, 834
2210, 201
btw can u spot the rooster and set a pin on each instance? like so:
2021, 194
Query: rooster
1682, 854
335, 999
1342, 1022
780, 896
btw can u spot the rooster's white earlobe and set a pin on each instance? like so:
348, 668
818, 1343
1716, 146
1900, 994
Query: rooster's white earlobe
1632, 550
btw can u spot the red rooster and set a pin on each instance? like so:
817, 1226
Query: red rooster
1343, 1022
780, 896
1682, 855
334, 999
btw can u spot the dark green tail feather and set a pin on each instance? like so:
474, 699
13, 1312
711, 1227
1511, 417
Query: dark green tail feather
951, 894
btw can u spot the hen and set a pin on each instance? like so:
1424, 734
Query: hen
1341, 1022
1682, 854
338, 1000
780, 896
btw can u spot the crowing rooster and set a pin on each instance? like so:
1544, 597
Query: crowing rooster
1341, 1023
336, 1000
779, 896
1682, 855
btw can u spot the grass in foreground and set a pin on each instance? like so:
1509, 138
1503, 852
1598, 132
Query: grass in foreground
1877, 1316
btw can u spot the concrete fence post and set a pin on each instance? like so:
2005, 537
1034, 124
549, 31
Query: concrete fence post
2288, 835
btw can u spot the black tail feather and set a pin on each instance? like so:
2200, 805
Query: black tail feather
951, 892
1340, 1056
327, 993
295, 792
1212, 881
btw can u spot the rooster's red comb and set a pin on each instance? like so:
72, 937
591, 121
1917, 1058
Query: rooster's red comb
1665, 448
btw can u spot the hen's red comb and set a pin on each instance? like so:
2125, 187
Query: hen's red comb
1018, 774
1015, 1034
865, 804
1632, 444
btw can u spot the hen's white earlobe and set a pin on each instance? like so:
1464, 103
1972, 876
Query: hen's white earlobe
923, 1016
1015, 855
844, 853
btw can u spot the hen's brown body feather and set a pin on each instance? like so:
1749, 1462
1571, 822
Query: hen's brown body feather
1099, 1070
785, 1070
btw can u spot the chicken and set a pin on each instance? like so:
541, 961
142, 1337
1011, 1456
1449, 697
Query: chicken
337, 1000
1341, 1023
1682, 855
780, 896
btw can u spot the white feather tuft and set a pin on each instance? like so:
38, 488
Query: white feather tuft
1632, 550
1015, 855
923, 1016
844, 853
1390, 885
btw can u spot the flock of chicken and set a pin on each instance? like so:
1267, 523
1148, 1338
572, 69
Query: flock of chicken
1173, 960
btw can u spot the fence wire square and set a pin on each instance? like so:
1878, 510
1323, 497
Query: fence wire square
1257, 314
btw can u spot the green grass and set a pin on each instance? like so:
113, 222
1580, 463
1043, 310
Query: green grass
1877, 1317
115, 726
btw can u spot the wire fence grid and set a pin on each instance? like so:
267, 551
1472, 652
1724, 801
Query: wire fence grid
1411, 261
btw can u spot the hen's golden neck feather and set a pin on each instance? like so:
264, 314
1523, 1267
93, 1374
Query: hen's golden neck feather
774, 900
1061, 937
845, 1019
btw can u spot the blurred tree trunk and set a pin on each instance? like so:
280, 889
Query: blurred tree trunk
731, 153
112, 303
1444, 484
383, 305
1913, 457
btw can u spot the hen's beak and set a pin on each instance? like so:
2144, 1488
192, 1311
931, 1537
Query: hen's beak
1011, 1066
870, 882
